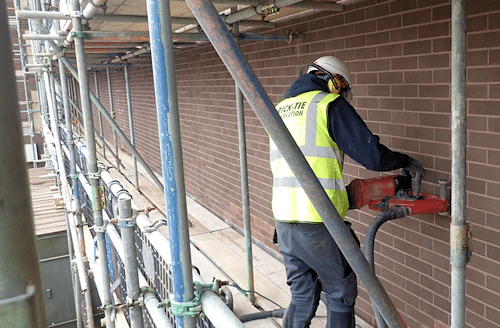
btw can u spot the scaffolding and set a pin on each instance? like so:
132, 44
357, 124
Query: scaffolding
151, 274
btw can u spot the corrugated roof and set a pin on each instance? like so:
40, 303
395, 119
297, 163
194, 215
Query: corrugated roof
48, 218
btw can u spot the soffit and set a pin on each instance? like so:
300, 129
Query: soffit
124, 40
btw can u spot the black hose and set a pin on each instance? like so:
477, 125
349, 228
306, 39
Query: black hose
262, 315
392, 214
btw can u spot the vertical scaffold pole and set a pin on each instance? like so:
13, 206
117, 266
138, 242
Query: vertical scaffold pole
113, 115
459, 236
131, 121
74, 184
72, 171
69, 131
245, 194
99, 115
29, 105
162, 55
229, 52
77, 290
54, 127
113, 124
21, 297
92, 164
126, 222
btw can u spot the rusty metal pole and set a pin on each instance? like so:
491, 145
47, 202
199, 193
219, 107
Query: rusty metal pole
245, 194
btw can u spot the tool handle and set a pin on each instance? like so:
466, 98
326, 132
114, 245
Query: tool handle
417, 184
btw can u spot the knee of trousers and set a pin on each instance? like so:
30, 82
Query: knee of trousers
341, 298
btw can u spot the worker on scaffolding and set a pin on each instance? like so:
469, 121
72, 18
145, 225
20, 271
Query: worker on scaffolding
317, 112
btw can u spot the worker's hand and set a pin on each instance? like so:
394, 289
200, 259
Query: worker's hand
415, 168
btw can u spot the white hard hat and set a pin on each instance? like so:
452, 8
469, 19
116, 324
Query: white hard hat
332, 65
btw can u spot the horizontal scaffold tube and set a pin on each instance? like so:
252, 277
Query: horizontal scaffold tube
150, 301
104, 145
42, 14
215, 309
29, 14
115, 127
260, 9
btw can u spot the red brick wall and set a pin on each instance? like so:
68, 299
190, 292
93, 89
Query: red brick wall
143, 110
399, 53
210, 138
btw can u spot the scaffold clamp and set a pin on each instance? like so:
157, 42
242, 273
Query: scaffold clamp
77, 34
75, 14
127, 222
192, 308
100, 229
185, 309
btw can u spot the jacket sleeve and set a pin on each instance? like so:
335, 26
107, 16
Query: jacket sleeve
354, 138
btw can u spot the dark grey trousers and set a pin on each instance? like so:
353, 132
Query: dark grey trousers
311, 255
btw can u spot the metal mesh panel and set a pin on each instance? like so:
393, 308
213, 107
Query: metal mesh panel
85, 204
111, 199
63, 134
83, 307
158, 273
154, 268
118, 277
148, 321
66, 164
81, 161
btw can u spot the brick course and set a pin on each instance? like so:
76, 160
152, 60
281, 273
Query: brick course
399, 54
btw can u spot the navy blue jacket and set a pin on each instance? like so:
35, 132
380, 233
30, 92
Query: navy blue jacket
349, 130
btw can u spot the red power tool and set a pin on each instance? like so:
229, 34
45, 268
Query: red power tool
382, 193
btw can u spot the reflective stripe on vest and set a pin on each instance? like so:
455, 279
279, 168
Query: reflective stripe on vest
306, 118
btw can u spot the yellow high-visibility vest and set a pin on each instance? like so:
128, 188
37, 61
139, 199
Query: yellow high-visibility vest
306, 117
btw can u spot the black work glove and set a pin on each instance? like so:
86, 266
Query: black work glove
415, 168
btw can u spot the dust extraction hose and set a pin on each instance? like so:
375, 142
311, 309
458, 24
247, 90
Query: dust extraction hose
262, 315
392, 214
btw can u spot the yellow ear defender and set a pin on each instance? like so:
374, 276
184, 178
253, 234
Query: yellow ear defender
334, 84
